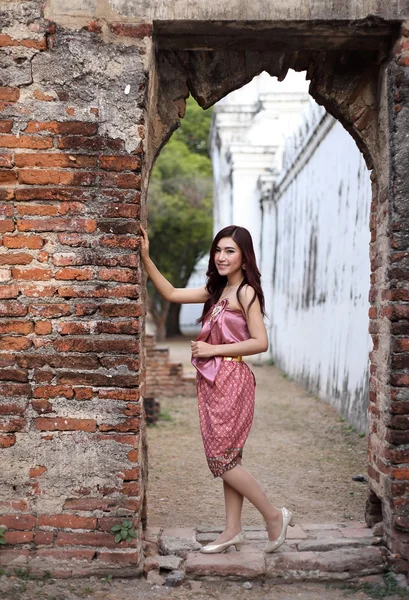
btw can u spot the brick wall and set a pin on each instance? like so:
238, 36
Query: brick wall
389, 394
165, 378
70, 300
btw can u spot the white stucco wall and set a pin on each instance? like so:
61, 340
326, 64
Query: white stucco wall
319, 309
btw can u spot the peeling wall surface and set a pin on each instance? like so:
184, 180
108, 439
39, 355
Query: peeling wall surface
242, 10
319, 312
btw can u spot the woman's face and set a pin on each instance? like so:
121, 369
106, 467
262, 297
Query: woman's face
228, 257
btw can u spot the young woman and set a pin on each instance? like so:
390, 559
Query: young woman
232, 327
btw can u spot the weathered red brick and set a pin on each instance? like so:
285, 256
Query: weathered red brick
53, 391
8, 177
48, 159
131, 489
90, 144
16, 258
13, 374
18, 537
6, 126
12, 308
7, 440
133, 455
36, 274
119, 394
57, 224
105, 345
74, 274
96, 538
50, 310
43, 538
13, 408
127, 211
117, 327
9, 94
7, 40
40, 95
67, 521
35, 142
131, 424
37, 471
64, 424
14, 343
118, 558
19, 522
6, 160
9, 291
120, 163
36, 291
42, 406
99, 291
131, 30
34, 242
12, 424
40, 210
130, 309
65, 127
119, 241
6, 225
122, 275
43, 328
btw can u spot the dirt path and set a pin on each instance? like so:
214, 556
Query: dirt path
299, 449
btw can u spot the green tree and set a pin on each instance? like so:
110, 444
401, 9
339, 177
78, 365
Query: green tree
180, 211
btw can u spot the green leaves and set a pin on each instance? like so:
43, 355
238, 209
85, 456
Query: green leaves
2, 538
124, 531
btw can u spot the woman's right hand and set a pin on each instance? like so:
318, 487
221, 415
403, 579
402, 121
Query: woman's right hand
144, 243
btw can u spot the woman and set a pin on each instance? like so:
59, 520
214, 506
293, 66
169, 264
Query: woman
232, 326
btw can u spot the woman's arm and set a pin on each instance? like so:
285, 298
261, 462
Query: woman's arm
258, 341
164, 287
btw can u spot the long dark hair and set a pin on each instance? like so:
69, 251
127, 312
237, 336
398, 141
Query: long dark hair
215, 283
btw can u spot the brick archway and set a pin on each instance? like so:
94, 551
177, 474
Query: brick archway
354, 83
85, 106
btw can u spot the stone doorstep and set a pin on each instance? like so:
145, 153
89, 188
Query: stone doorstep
335, 565
334, 556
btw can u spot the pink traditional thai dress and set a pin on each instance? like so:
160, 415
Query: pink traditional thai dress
225, 390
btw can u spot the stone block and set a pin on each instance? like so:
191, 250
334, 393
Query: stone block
321, 526
342, 564
357, 532
178, 541
323, 545
247, 563
151, 534
169, 562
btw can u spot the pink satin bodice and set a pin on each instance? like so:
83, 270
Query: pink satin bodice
221, 326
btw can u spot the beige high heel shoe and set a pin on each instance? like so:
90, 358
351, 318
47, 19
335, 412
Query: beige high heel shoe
287, 520
215, 548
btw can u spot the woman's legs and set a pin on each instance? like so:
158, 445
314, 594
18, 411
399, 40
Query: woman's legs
245, 485
233, 501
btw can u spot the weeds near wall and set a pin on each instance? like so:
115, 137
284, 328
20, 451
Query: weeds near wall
123, 531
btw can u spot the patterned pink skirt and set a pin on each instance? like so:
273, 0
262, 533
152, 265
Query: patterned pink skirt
226, 414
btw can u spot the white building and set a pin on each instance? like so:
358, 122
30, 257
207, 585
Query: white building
292, 175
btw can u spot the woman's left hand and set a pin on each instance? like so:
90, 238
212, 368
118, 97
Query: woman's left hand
202, 349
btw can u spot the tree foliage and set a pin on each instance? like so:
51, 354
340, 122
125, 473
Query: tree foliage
180, 206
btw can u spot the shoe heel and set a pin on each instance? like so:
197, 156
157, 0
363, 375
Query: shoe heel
238, 546
292, 522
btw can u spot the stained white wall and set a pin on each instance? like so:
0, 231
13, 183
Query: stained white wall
319, 310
